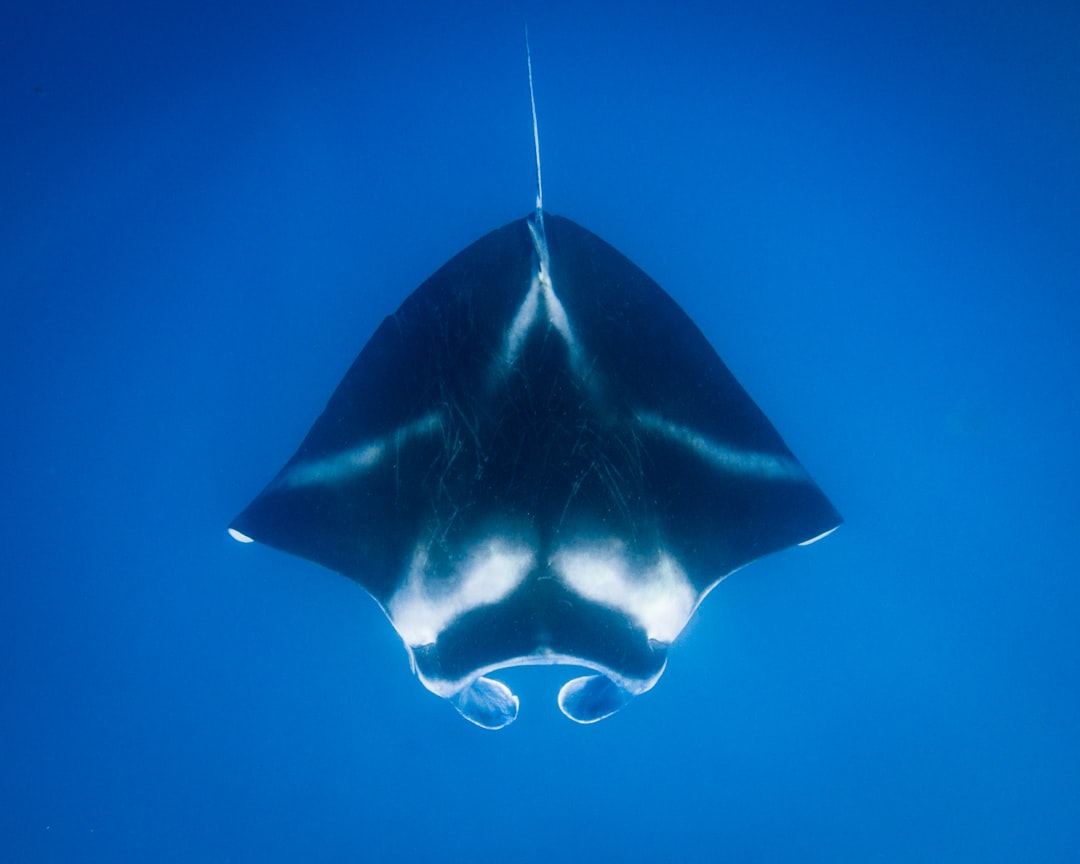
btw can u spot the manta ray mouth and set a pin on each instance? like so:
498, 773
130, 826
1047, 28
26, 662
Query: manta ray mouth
490, 704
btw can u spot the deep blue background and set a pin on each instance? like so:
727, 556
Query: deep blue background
872, 210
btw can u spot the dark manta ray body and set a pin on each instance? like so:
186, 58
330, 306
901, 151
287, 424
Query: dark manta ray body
538, 459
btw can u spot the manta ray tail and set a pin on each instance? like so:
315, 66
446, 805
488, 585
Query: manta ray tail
536, 142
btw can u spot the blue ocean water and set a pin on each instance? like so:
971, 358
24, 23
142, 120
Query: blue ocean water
873, 212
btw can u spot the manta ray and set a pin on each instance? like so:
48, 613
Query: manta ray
538, 459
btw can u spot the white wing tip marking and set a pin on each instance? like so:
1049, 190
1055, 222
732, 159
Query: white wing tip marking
820, 536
